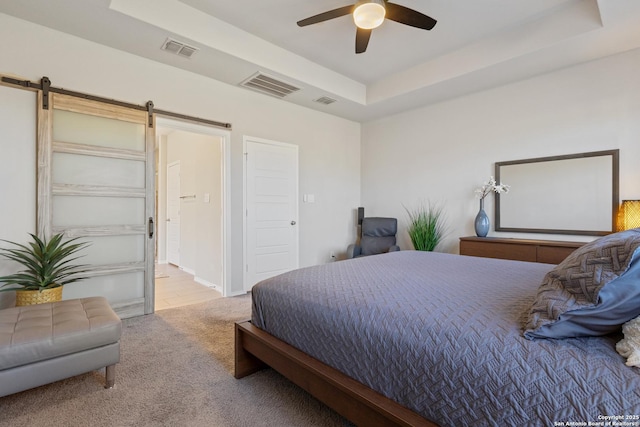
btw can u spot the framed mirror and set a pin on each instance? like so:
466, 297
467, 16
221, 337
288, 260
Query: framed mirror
569, 194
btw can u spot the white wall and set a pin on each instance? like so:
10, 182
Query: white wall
444, 151
17, 172
329, 146
161, 198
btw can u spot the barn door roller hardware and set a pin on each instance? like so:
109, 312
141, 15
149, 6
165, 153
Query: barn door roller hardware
45, 83
150, 111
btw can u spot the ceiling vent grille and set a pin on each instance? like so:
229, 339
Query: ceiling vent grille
269, 85
325, 100
179, 48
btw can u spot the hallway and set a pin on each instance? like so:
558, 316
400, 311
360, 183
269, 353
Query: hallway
176, 288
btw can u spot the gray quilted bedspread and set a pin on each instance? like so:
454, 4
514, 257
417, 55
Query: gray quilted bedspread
442, 335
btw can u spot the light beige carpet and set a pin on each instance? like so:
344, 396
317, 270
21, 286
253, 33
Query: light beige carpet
176, 370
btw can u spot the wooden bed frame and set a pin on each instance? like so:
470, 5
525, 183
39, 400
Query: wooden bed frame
256, 349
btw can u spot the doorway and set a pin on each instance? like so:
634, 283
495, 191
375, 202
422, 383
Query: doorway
192, 203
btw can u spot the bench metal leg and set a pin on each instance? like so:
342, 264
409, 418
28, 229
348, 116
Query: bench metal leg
110, 376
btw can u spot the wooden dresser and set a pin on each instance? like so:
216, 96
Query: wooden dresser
546, 251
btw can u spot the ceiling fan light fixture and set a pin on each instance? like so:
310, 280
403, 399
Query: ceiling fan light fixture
369, 14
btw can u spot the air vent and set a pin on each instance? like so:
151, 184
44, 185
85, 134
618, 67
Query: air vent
269, 85
179, 48
325, 100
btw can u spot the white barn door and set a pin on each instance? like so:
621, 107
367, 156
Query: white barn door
271, 201
96, 181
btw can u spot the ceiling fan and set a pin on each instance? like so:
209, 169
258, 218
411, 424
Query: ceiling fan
369, 14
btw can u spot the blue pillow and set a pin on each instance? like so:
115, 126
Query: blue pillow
592, 292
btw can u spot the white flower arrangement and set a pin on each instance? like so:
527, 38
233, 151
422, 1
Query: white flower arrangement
491, 186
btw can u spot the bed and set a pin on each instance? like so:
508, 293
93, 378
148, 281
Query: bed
415, 338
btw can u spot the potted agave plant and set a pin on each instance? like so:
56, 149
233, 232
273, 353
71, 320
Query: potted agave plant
48, 266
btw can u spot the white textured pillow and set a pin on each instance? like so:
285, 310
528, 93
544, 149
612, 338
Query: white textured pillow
629, 346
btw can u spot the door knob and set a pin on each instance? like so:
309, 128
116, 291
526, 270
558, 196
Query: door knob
293, 223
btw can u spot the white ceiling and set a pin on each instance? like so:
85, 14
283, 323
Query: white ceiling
476, 44
394, 47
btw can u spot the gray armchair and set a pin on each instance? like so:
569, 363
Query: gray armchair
378, 236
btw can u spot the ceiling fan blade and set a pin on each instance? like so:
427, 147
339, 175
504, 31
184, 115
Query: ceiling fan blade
335, 13
407, 16
362, 39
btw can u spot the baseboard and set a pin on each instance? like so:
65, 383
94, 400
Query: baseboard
188, 270
236, 294
208, 284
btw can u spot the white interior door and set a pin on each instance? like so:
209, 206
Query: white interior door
271, 197
173, 213
96, 181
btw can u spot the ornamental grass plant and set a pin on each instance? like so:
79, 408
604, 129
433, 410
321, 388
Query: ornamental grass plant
47, 264
427, 226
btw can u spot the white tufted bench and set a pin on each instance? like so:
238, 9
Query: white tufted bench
43, 343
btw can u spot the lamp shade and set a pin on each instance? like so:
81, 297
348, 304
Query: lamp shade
629, 214
370, 14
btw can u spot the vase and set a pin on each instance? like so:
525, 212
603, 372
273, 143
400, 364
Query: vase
482, 221
38, 297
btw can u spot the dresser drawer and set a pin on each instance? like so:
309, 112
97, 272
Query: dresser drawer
544, 251
499, 250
